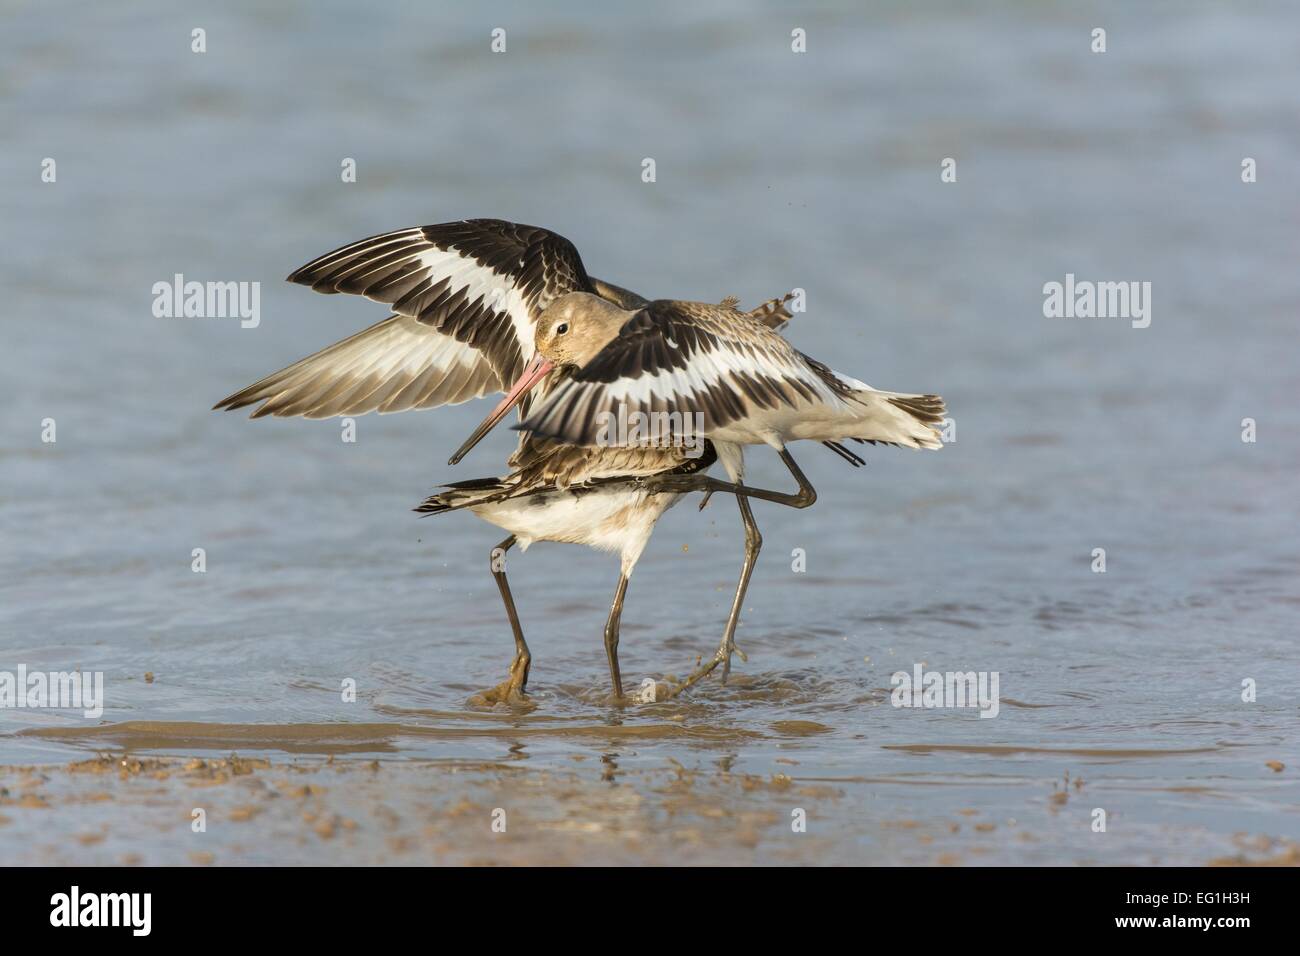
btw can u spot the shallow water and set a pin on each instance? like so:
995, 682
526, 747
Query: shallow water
773, 171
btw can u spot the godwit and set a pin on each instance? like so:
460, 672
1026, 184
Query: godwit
474, 301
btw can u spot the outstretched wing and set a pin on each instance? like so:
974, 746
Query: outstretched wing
483, 282
467, 296
707, 366
395, 365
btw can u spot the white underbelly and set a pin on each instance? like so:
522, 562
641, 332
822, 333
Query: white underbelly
609, 519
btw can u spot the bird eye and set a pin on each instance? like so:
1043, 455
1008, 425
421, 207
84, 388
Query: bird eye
562, 328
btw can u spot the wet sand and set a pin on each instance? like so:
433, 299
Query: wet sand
307, 801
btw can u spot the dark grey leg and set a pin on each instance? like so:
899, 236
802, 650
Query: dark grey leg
753, 543
611, 635
683, 484
514, 686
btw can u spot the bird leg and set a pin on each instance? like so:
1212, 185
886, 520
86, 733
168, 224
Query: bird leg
753, 542
611, 636
513, 687
683, 484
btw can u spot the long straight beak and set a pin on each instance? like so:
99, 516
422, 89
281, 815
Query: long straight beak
533, 374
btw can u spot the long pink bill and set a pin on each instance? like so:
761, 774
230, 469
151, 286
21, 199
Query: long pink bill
534, 373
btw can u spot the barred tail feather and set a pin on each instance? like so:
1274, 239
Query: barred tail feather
896, 418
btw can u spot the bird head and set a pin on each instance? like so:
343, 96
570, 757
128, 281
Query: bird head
570, 332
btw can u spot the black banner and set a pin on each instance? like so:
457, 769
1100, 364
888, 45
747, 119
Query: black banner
329, 906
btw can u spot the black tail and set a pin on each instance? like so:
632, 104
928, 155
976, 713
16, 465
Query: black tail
461, 494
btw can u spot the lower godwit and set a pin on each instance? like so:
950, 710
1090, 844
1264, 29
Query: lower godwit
557, 492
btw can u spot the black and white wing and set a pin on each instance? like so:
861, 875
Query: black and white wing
483, 282
708, 367
467, 296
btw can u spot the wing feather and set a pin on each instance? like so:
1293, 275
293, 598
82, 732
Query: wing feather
467, 296
483, 282
394, 365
